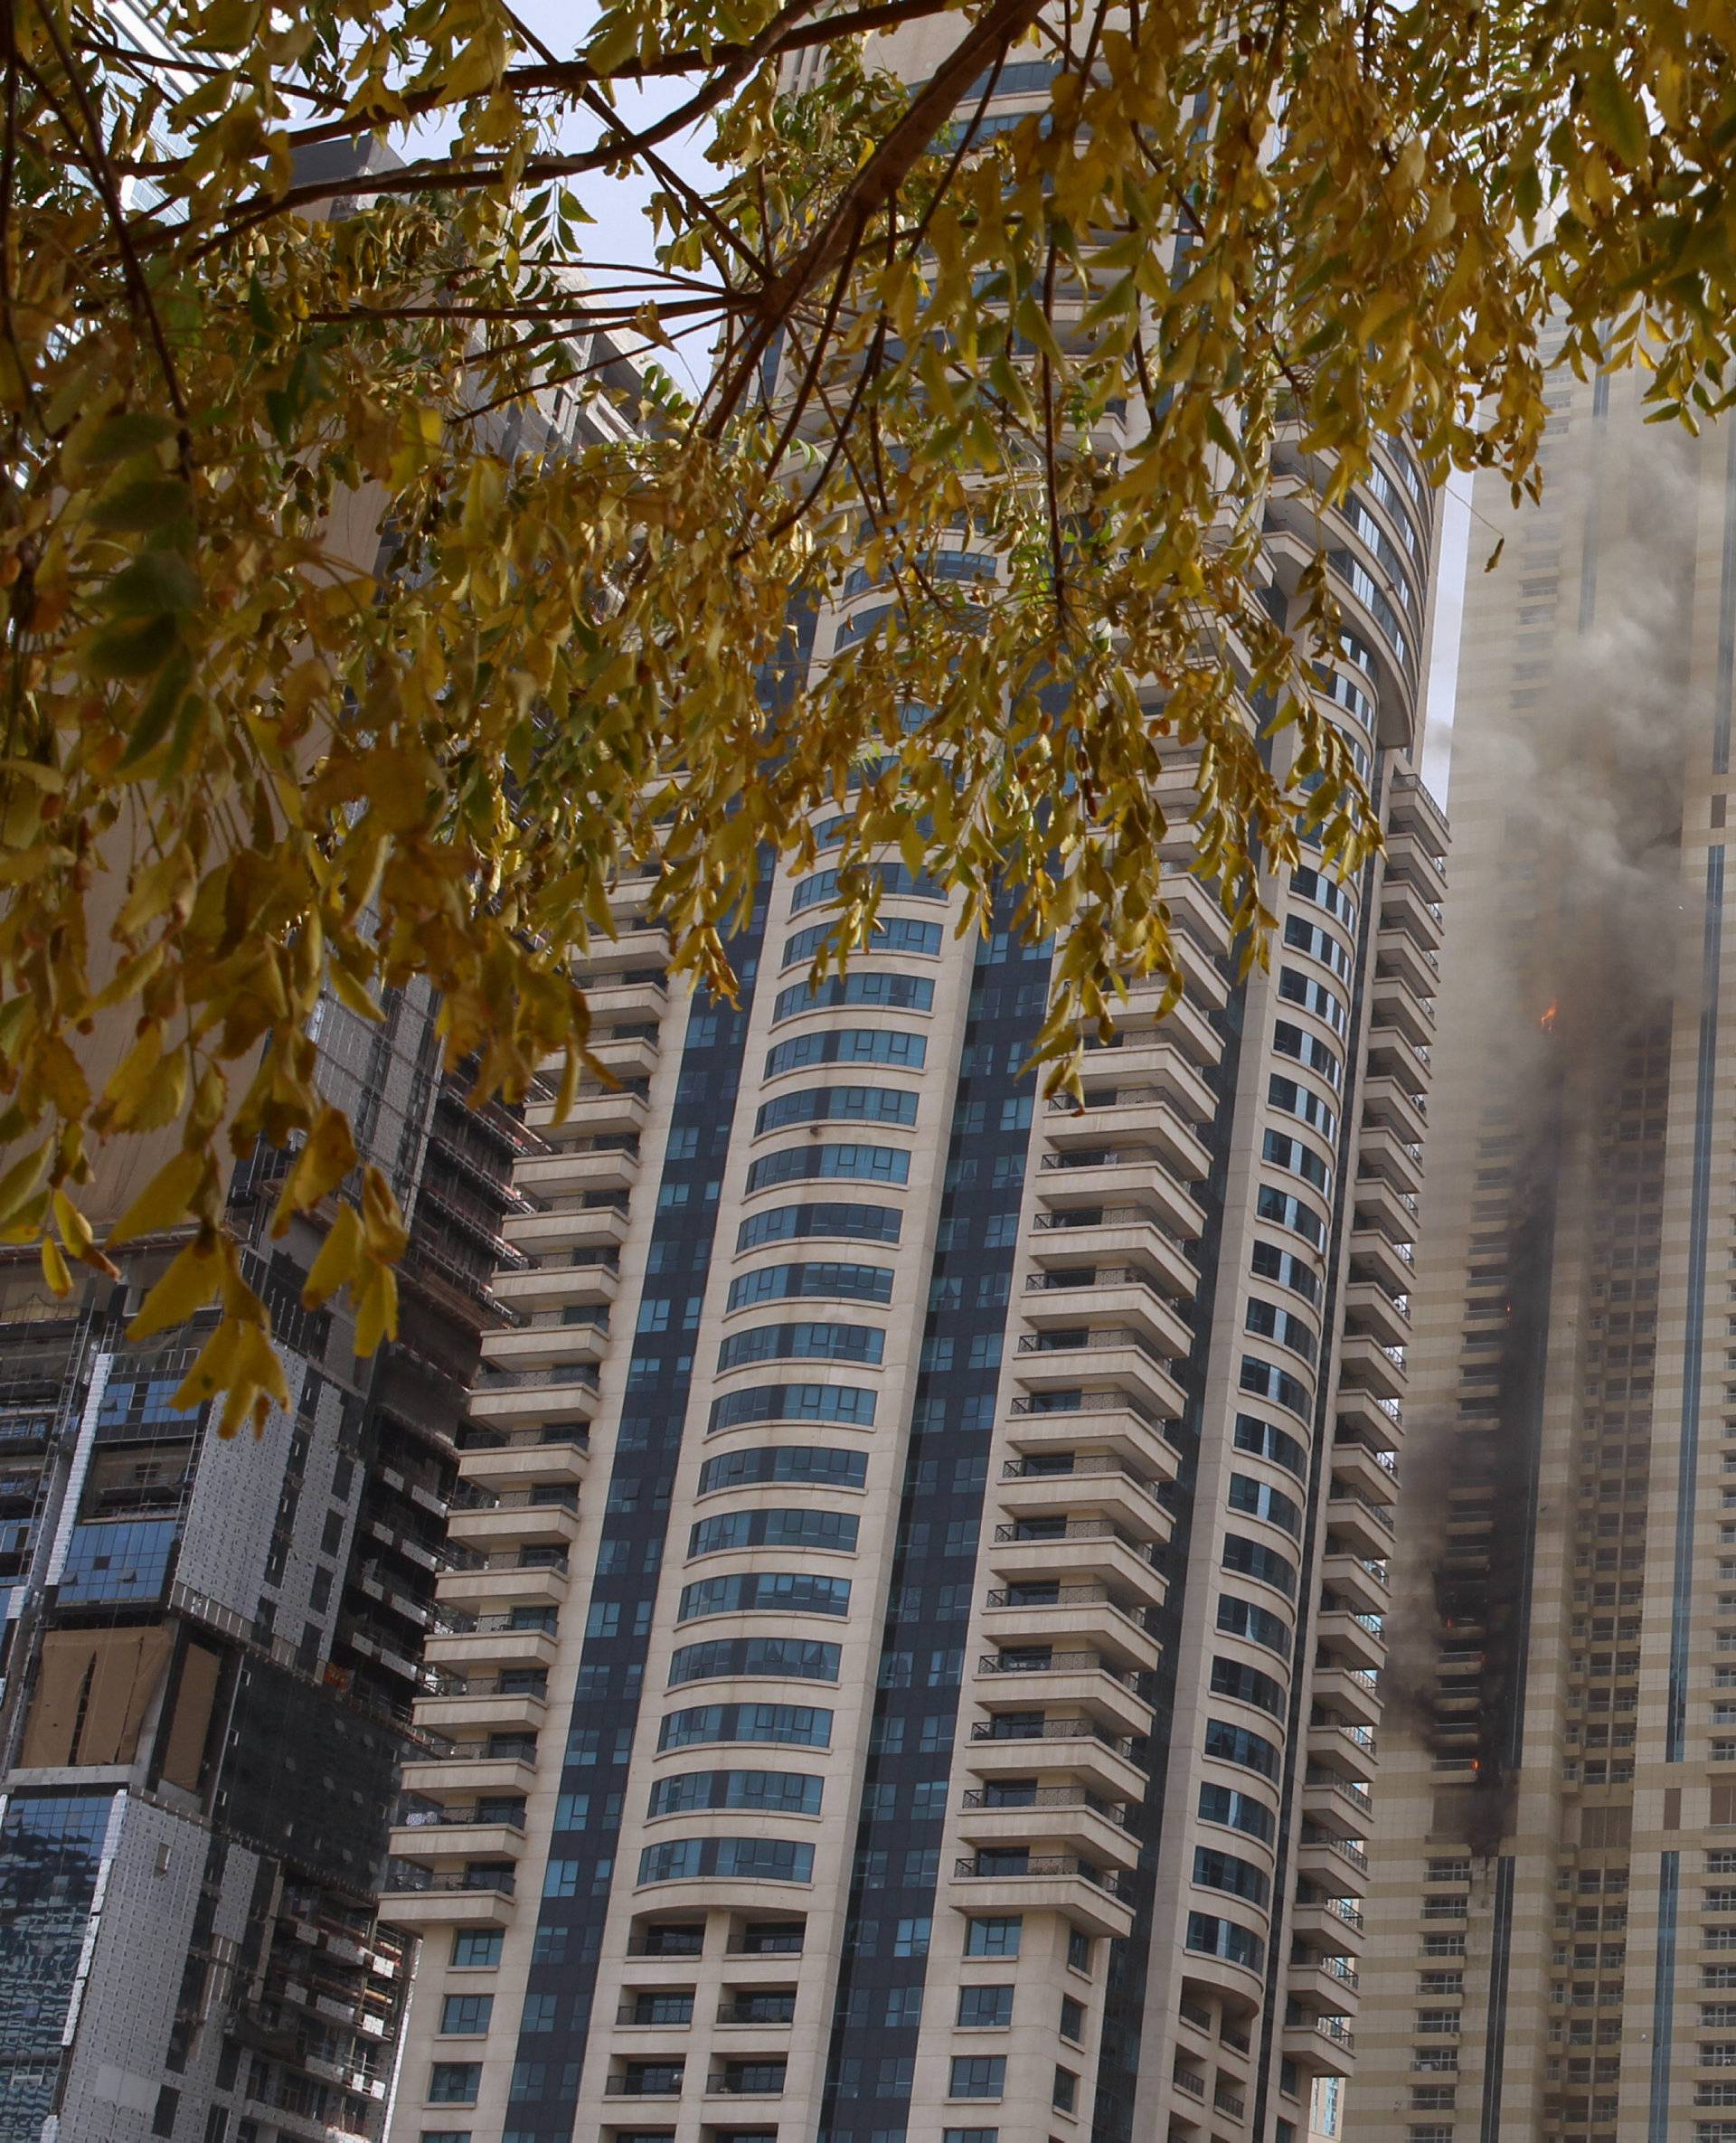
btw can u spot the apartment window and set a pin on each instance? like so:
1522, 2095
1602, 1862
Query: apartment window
912, 1938
1433, 2098
476, 1946
977, 2076
985, 2008
455, 2082
1078, 1951
465, 2015
970, 2136
992, 1938
1073, 2019
1065, 2095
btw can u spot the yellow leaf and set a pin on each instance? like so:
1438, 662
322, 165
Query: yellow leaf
382, 1225
377, 1313
188, 1285
164, 1201
54, 1268
320, 1167
19, 1181
338, 1257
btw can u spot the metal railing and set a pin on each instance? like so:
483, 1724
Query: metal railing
1042, 1864
1059, 1663
1044, 1797
1091, 1466
1077, 1529
404, 1875
1058, 1595
1052, 1730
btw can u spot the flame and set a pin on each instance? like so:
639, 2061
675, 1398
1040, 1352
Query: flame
1547, 1022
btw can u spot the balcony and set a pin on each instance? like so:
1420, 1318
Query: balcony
1185, 1023
545, 1517
1345, 1751
527, 1458
1118, 1354
1381, 1152
416, 1899
1075, 1549
1128, 1116
1348, 1695
1328, 1925
1321, 2046
1142, 1063
1099, 1758
1333, 1862
1351, 1639
1376, 1257
747, 2080
1039, 1676
1047, 1820
1362, 1527
597, 1110
1094, 1484
1396, 1004
1363, 1417
1373, 1311
491, 1584
1399, 954
1029, 1612
509, 1399
458, 1831
1106, 1176
485, 1704
1356, 1580
467, 1772
574, 1224
1074, 1238
1064, 1882
548, 1337
490, 1641
1383, 1209
1120, 1294
1359, 1469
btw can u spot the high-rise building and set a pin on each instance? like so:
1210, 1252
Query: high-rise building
919, 1677
1552, 1943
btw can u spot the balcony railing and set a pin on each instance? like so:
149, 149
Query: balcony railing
1045, 1796
1097, 1465
1052, 1730
978, 1867
1118, 1216
1033, 1406
1075, 1529
1062, 1663
406, 1875
1064, 1596
466, 1814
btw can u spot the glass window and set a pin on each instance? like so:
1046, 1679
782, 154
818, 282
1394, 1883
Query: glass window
465, 2015
992, 1938
982, 2008
455, 2082
977, 2076
477, 1945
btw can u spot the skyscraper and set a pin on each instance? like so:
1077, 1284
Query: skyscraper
919, 1677
1553, 1912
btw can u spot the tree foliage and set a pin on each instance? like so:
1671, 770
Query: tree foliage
312, 680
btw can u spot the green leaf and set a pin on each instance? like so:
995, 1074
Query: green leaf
1616, 117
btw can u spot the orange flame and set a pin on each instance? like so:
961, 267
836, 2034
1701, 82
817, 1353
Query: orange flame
1547, 1022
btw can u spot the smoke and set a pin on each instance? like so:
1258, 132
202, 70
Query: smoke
1563, 948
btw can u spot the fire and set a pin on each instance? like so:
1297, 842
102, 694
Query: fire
1547, 1022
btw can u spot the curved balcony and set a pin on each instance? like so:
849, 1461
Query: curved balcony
1360, 1470
493, 1584
1396, 1004
573, 1224
1092, 1424
1074, 1549
1420, 966
1357, 1580
1363, 1417
1333, 1862
1321, 2045
1106, 1176
511, 1459
1351, 1639
489, 1641
1362, 1527
1054, 1612
1047, 1819
598, 1110
1012, 1746
1089, 1895
1114, 1295
1118, 1356
548, 1338
1040, 1675
1141, 1117
546, 1518
1328, 1924
412, 1897
1380, 1151
1099, 1486
1186, 1022
509, 1399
